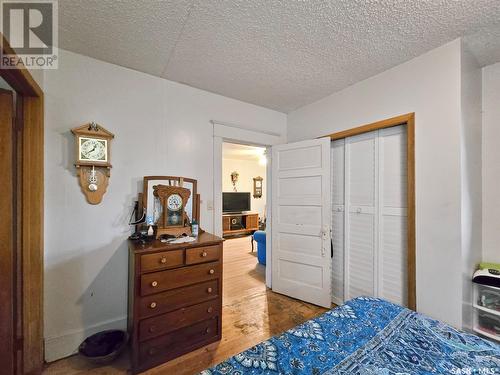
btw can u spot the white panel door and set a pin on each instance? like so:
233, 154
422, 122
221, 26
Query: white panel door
361, 191
392, 216
301, 221
337, 225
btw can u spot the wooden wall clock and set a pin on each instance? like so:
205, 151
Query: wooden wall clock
257, 187
93, 153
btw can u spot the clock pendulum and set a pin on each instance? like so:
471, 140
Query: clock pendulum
92, 180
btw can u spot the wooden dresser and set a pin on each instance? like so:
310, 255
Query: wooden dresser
175, 298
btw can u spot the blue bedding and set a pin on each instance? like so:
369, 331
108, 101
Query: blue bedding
367, 336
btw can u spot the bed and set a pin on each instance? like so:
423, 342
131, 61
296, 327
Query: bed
367, 336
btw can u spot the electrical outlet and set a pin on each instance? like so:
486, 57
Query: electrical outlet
210, 205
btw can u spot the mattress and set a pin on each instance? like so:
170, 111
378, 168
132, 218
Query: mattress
367, 336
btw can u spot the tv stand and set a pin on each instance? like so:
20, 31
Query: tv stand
239, 223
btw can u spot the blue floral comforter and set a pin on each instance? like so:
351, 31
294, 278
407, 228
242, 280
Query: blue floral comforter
367, 336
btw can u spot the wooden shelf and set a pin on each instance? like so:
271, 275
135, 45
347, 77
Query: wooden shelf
487, 310
487, 334
249, 222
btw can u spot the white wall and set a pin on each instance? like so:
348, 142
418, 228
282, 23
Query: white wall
247, 169
161, 128
470, 90
428, 85
491, 163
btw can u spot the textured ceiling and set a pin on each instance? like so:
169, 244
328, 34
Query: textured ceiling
242, 152
485, 45
278, 54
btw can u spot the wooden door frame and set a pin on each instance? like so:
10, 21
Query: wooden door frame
408, 120
28, 244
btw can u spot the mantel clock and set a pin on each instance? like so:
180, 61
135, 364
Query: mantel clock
173, 219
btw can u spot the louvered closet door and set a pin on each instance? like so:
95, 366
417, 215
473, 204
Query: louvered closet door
392, 216
361, 159
337, 225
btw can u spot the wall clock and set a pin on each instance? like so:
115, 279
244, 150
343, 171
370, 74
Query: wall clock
93, 152
173, 219
257, 187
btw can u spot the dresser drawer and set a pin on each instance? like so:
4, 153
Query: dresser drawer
202, 254
163, 260
165, 323
177, 342
165, 280
177, 298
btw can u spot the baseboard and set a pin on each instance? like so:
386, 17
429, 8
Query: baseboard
67, 344
337, 301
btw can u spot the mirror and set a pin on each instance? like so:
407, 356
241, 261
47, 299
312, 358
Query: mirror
153, 206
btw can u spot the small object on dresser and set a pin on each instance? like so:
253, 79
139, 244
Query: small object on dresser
195, 228
151, 231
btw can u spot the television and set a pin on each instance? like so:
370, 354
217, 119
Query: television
233, 202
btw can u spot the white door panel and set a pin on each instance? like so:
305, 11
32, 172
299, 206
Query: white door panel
360, 219
338, 256
307, 157
392, 255
360, 152
301, 220
369, 216
360, 256
337, 162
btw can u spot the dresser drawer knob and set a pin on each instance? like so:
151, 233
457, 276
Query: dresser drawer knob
163, 260
207, 331
204, 254
210, 309
209, 290
152, 305
152, 351
211, 272
152, 329
154, 284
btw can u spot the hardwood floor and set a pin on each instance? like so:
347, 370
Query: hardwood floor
251, 313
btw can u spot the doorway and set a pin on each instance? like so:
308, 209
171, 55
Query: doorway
244, 197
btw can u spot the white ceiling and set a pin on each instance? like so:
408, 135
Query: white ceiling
277, 54
242, 152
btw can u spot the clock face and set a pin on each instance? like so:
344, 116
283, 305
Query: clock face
93, 149
174, 202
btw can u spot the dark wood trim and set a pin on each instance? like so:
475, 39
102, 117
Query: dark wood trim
408, 120
19, 79
7, 218
32, 232
28, 216
411, 224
